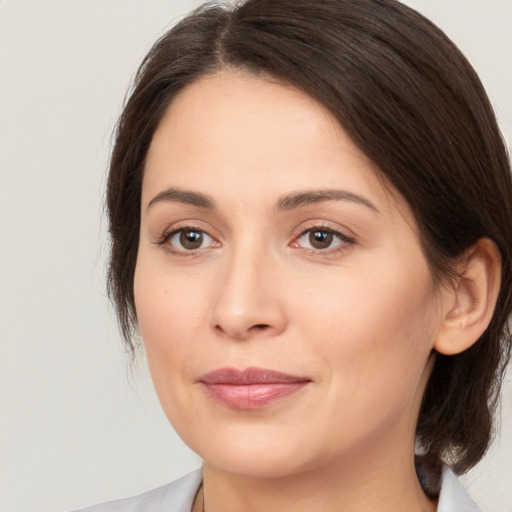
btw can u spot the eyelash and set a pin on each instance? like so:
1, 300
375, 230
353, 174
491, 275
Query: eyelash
345, 242
168, 235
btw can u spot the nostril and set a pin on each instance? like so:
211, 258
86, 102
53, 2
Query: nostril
260, 327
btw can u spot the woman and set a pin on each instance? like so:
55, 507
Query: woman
310, 211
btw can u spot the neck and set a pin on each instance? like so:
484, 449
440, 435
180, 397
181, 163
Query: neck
382, 484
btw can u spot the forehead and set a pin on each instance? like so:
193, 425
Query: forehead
234, 132
236, 107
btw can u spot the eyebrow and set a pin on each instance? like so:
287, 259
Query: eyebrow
285, 203
185, 197
298, 199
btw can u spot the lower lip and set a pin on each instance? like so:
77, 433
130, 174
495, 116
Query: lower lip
252, 396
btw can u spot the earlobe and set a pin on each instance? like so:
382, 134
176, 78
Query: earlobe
470, 304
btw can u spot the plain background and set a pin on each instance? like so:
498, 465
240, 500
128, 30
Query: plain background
77, 426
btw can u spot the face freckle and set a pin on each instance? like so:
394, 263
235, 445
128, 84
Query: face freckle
255, 168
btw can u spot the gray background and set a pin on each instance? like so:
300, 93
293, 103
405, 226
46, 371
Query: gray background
75, 427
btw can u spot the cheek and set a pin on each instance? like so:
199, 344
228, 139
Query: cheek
373, 329
170, 314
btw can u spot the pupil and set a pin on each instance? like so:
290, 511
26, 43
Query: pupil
191, 239
320, 239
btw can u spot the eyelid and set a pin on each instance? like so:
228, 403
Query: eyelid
167, 234
347, 240
323, 225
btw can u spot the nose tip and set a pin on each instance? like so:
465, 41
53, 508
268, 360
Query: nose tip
248, 305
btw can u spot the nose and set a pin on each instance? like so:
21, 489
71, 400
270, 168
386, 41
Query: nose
249, 303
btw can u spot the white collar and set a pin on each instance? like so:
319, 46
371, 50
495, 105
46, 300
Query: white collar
453, 496
179, 495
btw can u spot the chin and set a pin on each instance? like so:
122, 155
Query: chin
261, 454
255, 463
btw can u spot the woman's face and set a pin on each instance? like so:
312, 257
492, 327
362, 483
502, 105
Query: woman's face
285, 304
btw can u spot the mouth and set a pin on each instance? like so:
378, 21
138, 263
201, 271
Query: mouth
251, 388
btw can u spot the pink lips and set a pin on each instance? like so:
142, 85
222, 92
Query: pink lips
251, 388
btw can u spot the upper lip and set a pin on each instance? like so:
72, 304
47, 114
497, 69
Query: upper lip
247, 376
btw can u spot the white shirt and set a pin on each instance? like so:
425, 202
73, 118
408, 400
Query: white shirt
179, 495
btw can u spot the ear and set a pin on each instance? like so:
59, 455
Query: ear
470, 301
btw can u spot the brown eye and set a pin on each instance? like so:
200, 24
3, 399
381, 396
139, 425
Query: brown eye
323, 241
320, 239
190, 239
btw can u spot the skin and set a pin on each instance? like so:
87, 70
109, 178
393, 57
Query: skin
359, 318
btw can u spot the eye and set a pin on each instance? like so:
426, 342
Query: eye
322, 239
187, 239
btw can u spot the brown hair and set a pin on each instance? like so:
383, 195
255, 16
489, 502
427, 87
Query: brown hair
410, 101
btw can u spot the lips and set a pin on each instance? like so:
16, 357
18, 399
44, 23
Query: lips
251, 388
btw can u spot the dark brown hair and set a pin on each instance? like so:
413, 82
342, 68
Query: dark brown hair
410, 101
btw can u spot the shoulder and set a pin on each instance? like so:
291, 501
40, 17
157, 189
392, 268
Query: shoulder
177, 496
453, 496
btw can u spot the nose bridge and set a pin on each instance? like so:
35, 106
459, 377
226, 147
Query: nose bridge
247, 304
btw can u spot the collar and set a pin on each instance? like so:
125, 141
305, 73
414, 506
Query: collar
453, 496
179, 495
